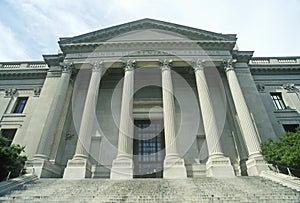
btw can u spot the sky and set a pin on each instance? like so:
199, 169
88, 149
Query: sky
31, 28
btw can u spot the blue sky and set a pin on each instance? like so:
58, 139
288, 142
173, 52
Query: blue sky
30, 28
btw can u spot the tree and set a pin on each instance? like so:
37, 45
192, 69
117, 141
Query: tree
284, 152
11, 159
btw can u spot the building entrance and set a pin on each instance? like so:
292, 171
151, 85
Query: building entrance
148, 149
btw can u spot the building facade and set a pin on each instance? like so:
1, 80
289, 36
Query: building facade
148, 99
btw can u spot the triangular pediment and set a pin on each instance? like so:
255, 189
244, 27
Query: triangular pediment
147, 30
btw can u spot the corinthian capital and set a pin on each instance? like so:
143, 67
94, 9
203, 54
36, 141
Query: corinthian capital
165, 64
129, 65
228, 64
66, 67
97, 66
198, 64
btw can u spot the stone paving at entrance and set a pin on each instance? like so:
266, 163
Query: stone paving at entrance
237, 189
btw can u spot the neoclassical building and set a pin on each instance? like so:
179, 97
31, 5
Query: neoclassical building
148, 99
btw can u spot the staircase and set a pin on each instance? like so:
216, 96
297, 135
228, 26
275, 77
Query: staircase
204, 189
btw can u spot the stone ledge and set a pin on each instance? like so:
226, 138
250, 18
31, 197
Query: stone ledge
285, 180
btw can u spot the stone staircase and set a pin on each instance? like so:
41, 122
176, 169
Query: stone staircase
204, 189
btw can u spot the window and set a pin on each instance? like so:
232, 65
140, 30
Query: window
277, 100
290, 127
20, 105
9, 134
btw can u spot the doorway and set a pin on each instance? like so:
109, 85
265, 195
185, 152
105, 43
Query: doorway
148, 149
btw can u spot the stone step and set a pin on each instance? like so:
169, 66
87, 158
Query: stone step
202, 189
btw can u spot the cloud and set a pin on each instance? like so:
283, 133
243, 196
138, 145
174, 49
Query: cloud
34, 26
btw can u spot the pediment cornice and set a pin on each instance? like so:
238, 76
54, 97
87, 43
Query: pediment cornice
201, 44
111, 32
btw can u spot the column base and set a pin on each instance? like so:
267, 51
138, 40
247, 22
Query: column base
174, 168
122, 169
219, 166
43, 168
77, 169
255, 165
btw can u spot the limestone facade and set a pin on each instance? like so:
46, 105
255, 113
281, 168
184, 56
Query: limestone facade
77, 112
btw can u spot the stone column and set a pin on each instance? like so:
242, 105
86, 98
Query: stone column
40, 161
217, 164
255, 163
79, 167
122, 166
174, 166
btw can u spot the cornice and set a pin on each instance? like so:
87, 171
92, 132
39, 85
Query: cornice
275, 64
30, 69
139, 45
242, 56
108, 33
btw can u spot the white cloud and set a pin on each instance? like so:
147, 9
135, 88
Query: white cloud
268, 27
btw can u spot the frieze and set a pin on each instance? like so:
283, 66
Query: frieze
148, 53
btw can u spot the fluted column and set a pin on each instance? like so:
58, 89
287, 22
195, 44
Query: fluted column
122, 167
255, 162
173, 163
48, 133
168, 110
217, 164
88, 114
126, 127
209, 120
79, 167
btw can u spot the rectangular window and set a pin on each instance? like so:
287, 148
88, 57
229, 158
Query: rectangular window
290, 127
20, 105
9, 134
277, 100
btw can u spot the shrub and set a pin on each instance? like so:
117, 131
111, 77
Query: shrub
284, 152
10, 159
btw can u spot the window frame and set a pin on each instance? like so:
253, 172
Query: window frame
278, 100
20, 105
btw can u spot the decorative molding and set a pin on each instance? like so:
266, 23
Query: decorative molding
66, 67
228, 65
198, 64
129, 65
165, 64
97, 66
260, 87
10, 92
37, 91
289, 87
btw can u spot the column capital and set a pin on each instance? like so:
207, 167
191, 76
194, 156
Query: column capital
97, 66
198, 64
129, 65
165, 64
228, 64
66, 67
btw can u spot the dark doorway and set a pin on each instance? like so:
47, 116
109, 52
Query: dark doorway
148, 149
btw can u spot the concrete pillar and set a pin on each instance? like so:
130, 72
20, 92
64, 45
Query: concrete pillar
217, 164
122, 167
174, 166
79, 167
255, 163
40, 161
